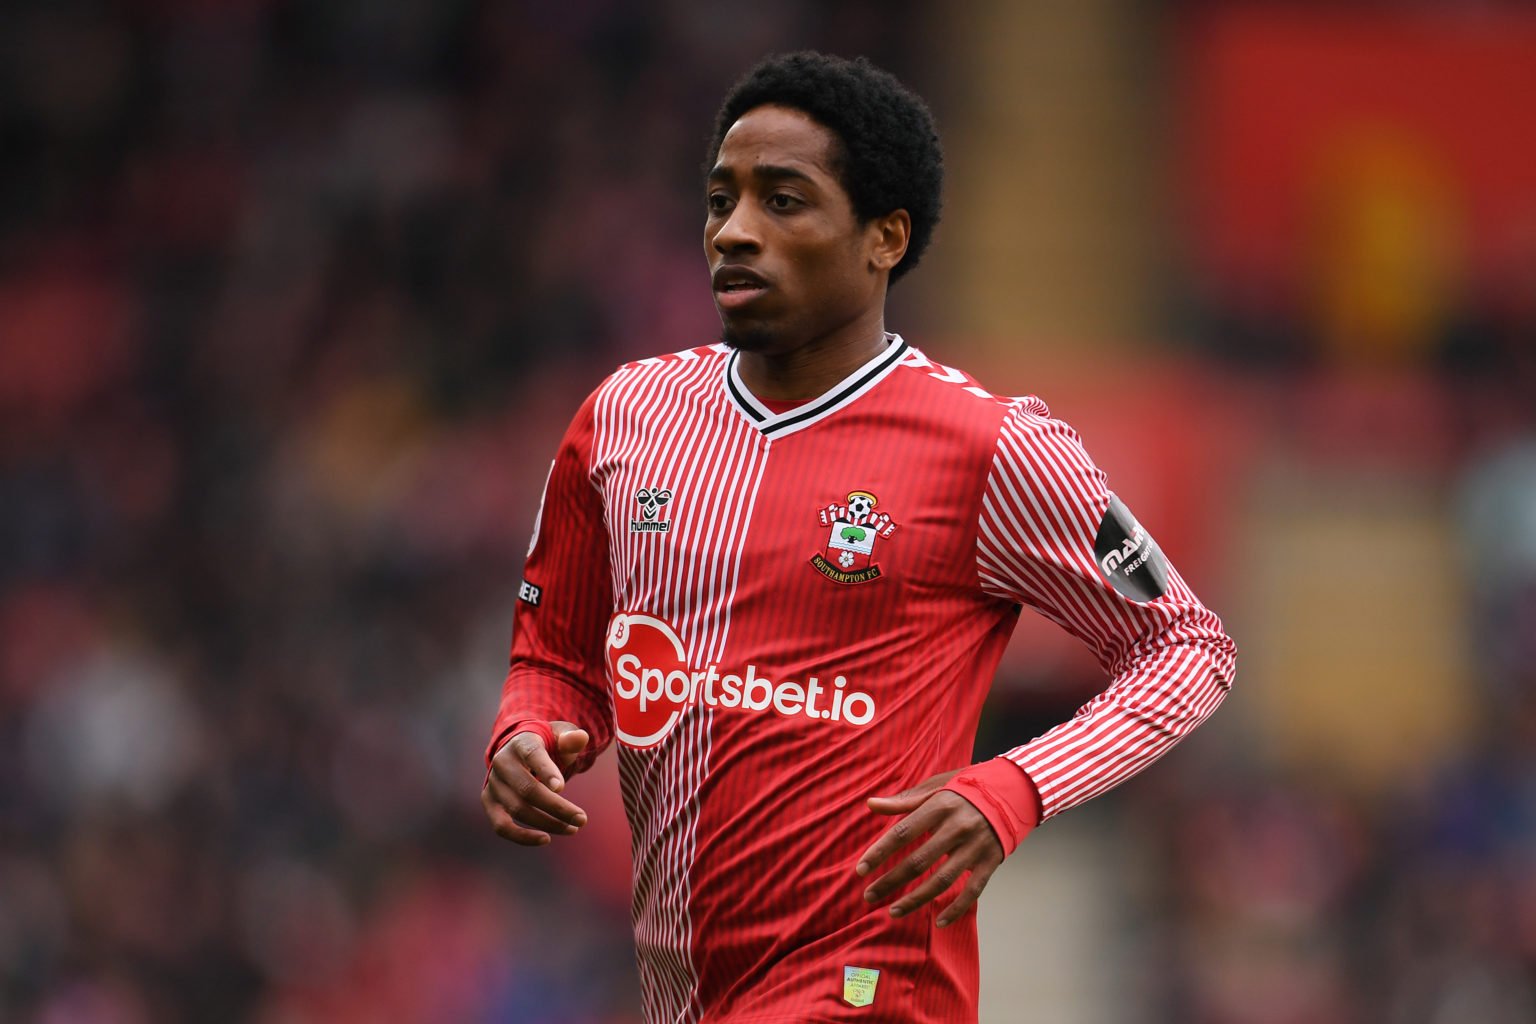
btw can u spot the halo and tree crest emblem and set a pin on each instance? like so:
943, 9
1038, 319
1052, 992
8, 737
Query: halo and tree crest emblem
853, 527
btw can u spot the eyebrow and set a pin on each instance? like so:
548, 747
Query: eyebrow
770, 172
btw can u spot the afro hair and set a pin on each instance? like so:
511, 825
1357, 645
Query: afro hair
891, 158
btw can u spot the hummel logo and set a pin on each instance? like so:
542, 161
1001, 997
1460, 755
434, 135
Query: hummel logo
652, 500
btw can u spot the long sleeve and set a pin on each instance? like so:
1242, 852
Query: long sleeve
1052, 536
564, 603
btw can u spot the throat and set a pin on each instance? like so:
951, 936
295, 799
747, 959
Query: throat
793, 378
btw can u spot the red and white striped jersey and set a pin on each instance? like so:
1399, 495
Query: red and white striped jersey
777, 615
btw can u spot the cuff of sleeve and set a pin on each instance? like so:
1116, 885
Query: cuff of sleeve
1005, 795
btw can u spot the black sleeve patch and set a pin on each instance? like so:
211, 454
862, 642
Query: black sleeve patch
1128, 556
530, 593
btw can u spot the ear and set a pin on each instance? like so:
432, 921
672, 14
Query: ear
887, 238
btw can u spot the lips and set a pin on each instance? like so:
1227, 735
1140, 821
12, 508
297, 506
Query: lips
736, 285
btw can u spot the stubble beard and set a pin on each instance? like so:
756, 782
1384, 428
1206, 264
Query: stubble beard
751, 339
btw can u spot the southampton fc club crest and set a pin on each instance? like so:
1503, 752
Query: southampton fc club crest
853, 527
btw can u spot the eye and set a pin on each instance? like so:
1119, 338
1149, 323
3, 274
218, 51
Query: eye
717, 202
783, 201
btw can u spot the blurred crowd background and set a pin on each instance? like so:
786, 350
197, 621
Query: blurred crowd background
296, 298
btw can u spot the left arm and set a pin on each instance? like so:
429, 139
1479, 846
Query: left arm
1051, 535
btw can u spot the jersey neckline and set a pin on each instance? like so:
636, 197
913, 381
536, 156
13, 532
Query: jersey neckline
841, 394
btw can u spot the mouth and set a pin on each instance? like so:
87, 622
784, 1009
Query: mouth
736, 286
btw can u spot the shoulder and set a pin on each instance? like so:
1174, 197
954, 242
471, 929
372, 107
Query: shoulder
1037, 452
686, 359
959, 398
636, 381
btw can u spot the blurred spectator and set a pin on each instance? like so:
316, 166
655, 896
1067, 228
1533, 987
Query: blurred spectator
291, 297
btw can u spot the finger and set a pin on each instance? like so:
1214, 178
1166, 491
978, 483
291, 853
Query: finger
529, 790
528, 749
969, 894
950, 871
910, 799
899, 836
910, 867
507, 828
901, 803
526, 814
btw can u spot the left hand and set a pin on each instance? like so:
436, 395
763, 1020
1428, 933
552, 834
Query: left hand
960, 837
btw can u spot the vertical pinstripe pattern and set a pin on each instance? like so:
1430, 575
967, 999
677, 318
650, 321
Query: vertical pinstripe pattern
745, 823
556, 670
1170, 660
661, 423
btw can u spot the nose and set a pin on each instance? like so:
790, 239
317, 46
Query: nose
739, 231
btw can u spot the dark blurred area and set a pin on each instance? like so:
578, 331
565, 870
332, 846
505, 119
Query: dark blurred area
296, 299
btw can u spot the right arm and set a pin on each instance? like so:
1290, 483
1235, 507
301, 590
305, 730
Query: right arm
554, 701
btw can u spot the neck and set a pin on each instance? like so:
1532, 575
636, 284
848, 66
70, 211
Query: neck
813, 368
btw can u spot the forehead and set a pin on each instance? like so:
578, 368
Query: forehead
776, 136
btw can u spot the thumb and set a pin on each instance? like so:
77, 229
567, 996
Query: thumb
570, 740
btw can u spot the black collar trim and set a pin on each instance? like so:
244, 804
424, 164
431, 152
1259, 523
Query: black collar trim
851, 387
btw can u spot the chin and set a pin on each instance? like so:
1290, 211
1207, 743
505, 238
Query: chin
748, 339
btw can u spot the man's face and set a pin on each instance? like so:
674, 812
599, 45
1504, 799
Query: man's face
789, 260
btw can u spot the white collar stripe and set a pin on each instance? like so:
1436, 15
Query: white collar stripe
755, 410
773, 424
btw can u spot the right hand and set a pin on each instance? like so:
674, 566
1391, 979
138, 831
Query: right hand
521, 794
